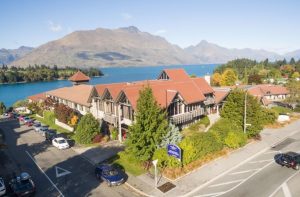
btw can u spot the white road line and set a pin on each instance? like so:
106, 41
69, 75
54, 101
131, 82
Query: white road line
286, 190
272, 152
44, 173
209, 195
278, 188
223, 173
226, 183
248, 177
261, 161
245, 171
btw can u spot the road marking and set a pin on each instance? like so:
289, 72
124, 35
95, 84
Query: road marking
245, 171
286, 190
61, 194
211, 194
223, 173
261, 161
272, 152
297, 172
62, 172
226, 183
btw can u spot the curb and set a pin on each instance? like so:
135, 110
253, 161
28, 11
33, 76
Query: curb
137, 190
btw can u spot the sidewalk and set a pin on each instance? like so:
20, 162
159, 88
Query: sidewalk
144, 184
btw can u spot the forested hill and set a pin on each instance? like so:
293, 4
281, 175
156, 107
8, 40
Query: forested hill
41, 73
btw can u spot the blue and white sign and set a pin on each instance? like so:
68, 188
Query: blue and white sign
174, 151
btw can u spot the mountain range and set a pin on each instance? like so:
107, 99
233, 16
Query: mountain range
127, 47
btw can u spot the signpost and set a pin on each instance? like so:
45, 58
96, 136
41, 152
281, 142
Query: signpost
174, 151
155, 168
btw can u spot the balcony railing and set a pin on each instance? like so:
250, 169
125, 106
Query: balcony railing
111, 118
186, 117
209, 101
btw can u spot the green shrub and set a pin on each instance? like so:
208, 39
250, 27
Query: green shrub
268, 116
164, 160
235, 139
222, 127
196, 126
114, 133
197, 146
87, 129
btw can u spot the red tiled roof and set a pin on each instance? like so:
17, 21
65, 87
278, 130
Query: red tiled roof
177, 74
203, 85
38, 97
79, 76
78, 94
267, 89
220, 95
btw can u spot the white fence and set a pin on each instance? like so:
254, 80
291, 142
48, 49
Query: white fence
63, 125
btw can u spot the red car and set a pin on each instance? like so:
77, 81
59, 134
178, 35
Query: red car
29, 123
21, 118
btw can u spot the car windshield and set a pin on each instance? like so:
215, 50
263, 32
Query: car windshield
111, 172
22, 185
61, 141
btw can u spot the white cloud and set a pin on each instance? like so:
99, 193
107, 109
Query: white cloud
54, 27
160, 31
126, 16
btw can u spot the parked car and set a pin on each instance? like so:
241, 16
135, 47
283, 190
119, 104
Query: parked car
60, 143
111, 175
50, 135
22, 185
289, 159
16, 115
29, 123
36, 126
42, 130
27, 119
21, 118
2, 187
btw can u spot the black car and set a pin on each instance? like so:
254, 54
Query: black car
22, 185
289, 159
111, 175
50, 134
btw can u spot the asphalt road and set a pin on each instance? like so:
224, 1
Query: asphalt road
55, 172
259, 177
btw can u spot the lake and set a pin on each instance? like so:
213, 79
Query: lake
10, 93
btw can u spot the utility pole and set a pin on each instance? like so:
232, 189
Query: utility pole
245, 112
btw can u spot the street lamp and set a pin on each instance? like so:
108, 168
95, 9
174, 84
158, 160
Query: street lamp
155, 171
245, 112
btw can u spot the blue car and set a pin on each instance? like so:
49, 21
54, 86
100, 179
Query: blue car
109, 174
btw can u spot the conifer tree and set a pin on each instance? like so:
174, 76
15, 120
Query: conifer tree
149, 128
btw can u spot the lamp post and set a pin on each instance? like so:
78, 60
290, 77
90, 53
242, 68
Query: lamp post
155, 171
245, 112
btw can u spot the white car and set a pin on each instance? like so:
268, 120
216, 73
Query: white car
2, 187
60, 143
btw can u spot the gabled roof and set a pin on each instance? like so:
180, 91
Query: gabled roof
220, 95
203, 85
113, 88
267, 89
79, 76
80, 94
176, 74
38, 97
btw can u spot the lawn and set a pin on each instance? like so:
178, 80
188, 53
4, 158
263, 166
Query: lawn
128, 163
52, 125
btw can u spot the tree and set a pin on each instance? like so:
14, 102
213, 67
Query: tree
20, 103
216, 79
87, 129
234, 111
254, 79
295, 75
294, 91
174, 136
149, 129
63, 113
292, 61
228, 78
2, 108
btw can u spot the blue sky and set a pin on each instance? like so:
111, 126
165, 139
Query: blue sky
260, 24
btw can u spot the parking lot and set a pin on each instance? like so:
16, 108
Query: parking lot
55, 172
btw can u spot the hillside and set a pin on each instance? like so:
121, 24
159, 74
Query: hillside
9, 55
104, 47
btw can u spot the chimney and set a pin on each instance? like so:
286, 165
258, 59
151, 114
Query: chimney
207, 78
